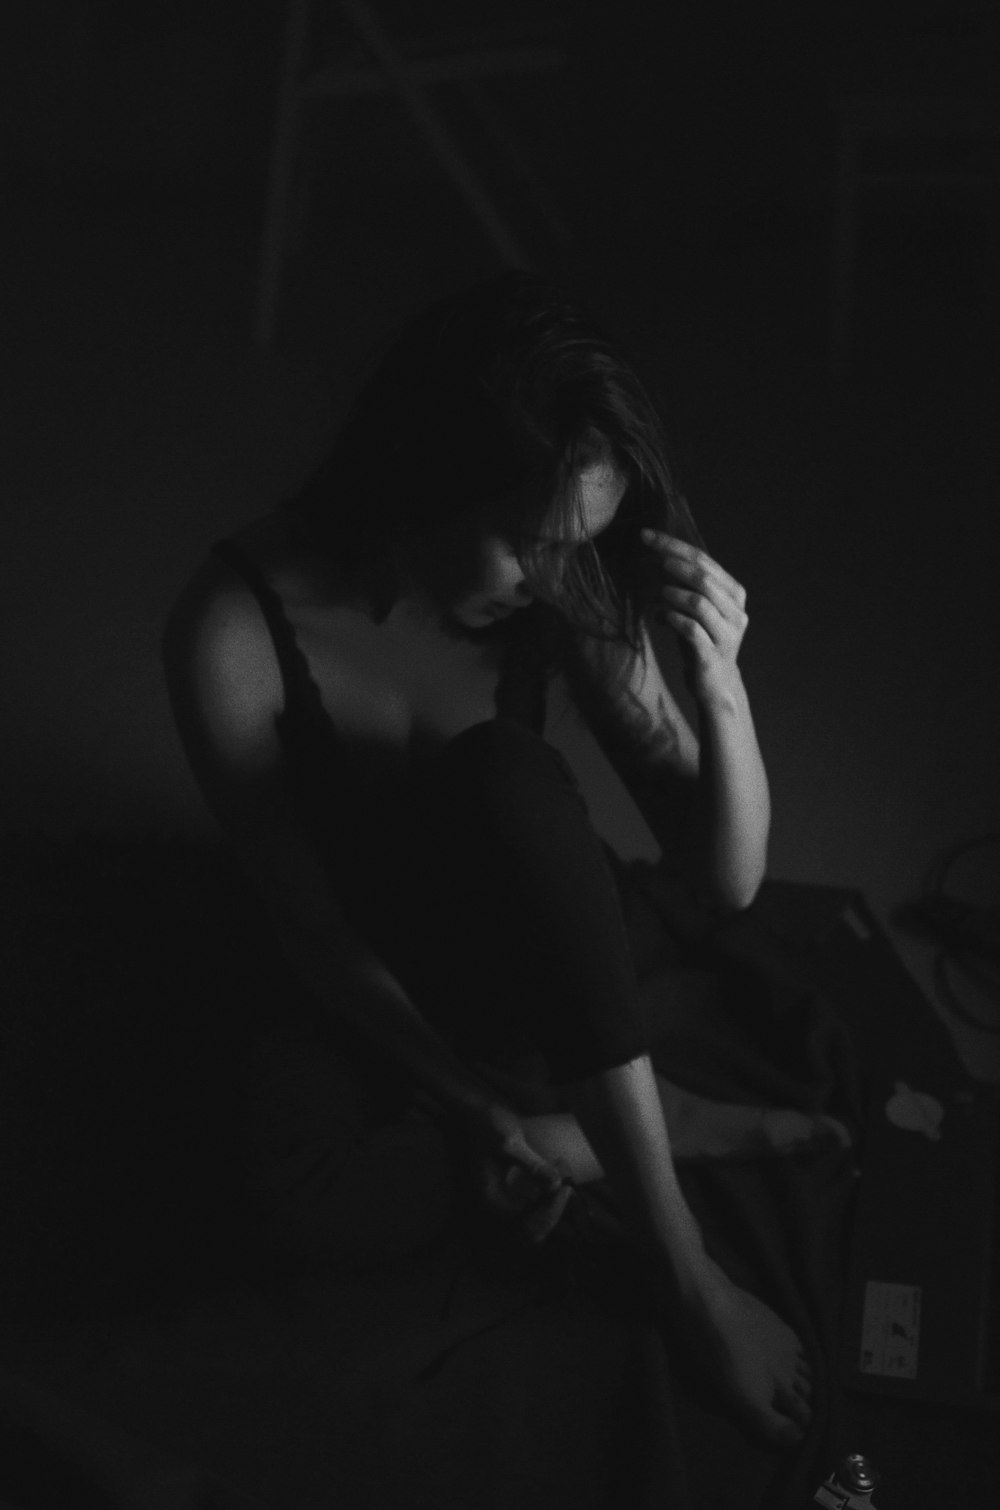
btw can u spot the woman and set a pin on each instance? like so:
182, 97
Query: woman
359, 679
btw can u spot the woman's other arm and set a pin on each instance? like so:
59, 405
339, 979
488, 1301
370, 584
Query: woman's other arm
225, 688
705, 797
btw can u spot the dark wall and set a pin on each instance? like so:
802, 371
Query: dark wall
691, 148
105, 89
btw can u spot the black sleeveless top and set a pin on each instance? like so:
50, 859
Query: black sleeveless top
377, 839
344, 832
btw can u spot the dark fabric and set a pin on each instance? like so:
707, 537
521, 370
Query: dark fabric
574, 1398
544, 1379
542, 1383
479, 879
493, 903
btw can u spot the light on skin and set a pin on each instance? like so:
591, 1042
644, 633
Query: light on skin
495, 585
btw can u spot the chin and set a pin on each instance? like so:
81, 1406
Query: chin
468, 621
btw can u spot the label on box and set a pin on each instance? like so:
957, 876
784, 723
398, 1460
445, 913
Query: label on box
890, 1330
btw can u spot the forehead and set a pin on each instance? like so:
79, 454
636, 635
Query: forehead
600, 490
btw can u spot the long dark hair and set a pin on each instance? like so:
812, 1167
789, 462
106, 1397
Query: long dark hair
502, 392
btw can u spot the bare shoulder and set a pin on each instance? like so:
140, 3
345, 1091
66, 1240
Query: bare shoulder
222, 672
226, 690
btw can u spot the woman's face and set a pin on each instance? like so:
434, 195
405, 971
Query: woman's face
485, 582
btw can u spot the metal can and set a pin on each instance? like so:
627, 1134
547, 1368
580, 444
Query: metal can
849, 1486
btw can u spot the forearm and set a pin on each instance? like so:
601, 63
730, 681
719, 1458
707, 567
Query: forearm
706, 799
348, 978
733, 806
623, 1134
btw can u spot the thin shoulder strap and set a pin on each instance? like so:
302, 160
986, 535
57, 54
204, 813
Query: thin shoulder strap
521, 688
300, 691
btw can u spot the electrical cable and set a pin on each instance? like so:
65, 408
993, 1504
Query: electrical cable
968, 937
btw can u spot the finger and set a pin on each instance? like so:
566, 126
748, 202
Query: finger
720, 632
523, 1156
524, 1188
511, 1199
792, 1405
689, 599
836, 1130
683, 554
705, 576
693, 564
543, 1220
689, 629
776, 1426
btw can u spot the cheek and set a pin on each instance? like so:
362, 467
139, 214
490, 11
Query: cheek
499, 568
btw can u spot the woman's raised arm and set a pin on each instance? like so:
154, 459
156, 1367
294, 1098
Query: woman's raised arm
705, 796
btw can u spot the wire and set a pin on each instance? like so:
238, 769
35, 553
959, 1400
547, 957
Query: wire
957, 954
952, 998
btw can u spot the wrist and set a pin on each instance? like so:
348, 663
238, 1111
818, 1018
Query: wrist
697, 1283
456, 1096
721, 692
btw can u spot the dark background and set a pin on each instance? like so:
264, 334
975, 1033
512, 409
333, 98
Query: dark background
690, 149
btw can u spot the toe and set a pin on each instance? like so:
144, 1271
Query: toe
793, 1407
782, 1429
832, 1128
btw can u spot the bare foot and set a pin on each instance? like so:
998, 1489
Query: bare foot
700, 1128
785, 1131
743, 1348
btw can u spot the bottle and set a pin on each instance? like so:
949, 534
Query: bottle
849, 1486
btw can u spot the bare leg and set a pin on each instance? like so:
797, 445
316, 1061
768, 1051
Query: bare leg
704, 1129
747, 1350
697, 1129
